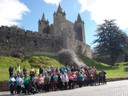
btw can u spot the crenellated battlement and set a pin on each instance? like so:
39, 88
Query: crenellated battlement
29, 33
50, 39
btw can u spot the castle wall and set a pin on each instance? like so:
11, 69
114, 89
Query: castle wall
15, 40
28, 42
88, 51
80, 33
50, 39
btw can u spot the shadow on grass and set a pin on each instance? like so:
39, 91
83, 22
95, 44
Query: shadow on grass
107, 68
98, 65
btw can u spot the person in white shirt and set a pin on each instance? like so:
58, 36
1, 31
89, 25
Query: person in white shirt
65, 80
19, 83
12, 83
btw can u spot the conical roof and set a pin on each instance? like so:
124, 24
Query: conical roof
43, 17
79, 18
59, 9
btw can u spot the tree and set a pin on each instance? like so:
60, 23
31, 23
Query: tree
111, 41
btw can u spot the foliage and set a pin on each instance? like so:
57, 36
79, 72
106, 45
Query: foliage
67, 57
111, 41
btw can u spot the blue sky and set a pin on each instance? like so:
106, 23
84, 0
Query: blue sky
26, 13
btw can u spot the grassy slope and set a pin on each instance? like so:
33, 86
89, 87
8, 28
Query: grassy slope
6, 62
42, 60
112, 71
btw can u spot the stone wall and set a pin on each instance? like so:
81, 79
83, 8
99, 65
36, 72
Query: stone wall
4, 86
88, 52
50, 39
28, 42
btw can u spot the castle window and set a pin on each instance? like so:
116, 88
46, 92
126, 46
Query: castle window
25, 33
7, 39
35, 43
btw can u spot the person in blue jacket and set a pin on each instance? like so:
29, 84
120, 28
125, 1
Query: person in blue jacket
80, 79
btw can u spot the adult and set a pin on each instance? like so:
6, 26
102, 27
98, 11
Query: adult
40, 83
32, 72
65, 80
53, 82
80, 79
70, 83
60, 83
26, 83
18, 69
19, 83
12, 82
40, 70
25, 70
46, 82
11, 70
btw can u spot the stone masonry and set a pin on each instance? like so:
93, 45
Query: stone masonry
49, 40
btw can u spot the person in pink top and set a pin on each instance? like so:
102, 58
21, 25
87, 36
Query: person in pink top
74, 78
70, 83
40, 82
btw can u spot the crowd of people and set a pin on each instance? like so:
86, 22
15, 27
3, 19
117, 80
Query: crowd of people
53, 79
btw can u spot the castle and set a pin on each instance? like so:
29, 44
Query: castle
49, 40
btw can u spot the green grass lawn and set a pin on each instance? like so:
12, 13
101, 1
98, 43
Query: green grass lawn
42, 60
112, 71
118, 72
45, 61
35, 61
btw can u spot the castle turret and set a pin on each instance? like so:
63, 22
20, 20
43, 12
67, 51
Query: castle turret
59, 19
79, 18
42, 24
43, 18
59, 10
79, 28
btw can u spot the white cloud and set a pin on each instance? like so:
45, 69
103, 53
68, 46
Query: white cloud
56, 2
107, 9
10, 11
82, 3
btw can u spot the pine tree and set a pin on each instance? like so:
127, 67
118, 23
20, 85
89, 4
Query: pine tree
111, 41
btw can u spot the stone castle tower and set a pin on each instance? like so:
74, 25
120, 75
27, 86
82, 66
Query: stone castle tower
49, 40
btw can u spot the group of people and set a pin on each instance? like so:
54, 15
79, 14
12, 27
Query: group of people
52, 79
